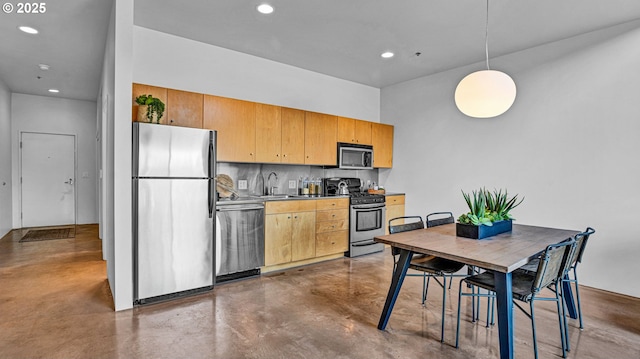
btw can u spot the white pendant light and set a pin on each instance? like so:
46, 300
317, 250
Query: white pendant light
486, 93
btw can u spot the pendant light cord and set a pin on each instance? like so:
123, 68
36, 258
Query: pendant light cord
486, 36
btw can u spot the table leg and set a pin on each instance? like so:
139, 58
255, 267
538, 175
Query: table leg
394, 289
567, 294
504, 296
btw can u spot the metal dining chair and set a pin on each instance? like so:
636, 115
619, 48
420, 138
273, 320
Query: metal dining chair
415, 222
572, 275
430, 266
581, 244
526, 287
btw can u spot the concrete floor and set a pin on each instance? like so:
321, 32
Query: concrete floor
55, 303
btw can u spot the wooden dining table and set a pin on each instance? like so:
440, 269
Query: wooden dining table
501, 254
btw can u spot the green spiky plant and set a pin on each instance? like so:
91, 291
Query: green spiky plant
486, 207
500, 205
154, 105
477, 214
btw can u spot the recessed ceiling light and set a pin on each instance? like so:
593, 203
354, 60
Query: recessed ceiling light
54, 90
28, 30
387, 54
43, 67
265, 8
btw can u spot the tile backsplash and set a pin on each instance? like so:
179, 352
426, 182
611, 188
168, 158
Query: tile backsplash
256, 175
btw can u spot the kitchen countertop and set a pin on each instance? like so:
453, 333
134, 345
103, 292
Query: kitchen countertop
266, 198
281, 197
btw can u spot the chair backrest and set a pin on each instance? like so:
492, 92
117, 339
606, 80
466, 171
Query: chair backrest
553, 263
439, 218
415, 223
581, 243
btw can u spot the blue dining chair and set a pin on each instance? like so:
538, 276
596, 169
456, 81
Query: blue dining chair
430, 266
526, 287
572, 275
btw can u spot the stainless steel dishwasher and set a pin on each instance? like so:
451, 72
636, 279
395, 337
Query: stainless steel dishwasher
239, 240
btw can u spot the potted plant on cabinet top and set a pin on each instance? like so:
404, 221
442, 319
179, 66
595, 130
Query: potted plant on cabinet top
489, 214
151, 108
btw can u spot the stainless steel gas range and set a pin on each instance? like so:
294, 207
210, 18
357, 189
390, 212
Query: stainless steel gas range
366, 215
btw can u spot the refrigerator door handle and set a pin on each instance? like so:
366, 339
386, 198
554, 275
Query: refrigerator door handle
212, 175
210, 191
210, 158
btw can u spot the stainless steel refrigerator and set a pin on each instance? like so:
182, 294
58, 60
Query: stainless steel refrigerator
173, 211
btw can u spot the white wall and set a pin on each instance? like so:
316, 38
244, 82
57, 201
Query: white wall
115, 92
105, 124
5, 160
61, 116
569, 145
169, 61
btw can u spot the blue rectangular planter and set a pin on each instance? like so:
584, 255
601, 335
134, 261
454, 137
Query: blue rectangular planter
482, 231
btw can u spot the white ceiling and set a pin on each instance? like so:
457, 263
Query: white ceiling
71, 41
341, 38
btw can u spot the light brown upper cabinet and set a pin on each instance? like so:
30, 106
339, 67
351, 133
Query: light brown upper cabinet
354, 131
184, 108
268, 133
292, 136
279, 134
320, 139
382, 141
157, 92
235, 121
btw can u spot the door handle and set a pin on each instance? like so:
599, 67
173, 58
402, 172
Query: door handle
70, 181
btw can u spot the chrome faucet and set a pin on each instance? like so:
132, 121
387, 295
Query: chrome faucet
271, 189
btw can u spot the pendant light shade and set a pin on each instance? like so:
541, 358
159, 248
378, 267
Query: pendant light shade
485, 94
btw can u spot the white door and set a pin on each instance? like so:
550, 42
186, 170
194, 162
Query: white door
48, 179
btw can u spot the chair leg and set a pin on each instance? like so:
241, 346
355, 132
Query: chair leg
493, 306
444, 303
425, 287
473, 303
458, 317
533, 329
477, 311
575, 280
489, 308
564, 334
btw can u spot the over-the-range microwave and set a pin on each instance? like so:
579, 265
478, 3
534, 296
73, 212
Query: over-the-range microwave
354, 156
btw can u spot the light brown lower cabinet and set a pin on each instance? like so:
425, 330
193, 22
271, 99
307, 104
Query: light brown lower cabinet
395, 208
303, 244
302, 231
289, 233
332, 226
332, 243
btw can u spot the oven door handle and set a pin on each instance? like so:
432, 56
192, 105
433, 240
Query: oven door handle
368, 206
364, 244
